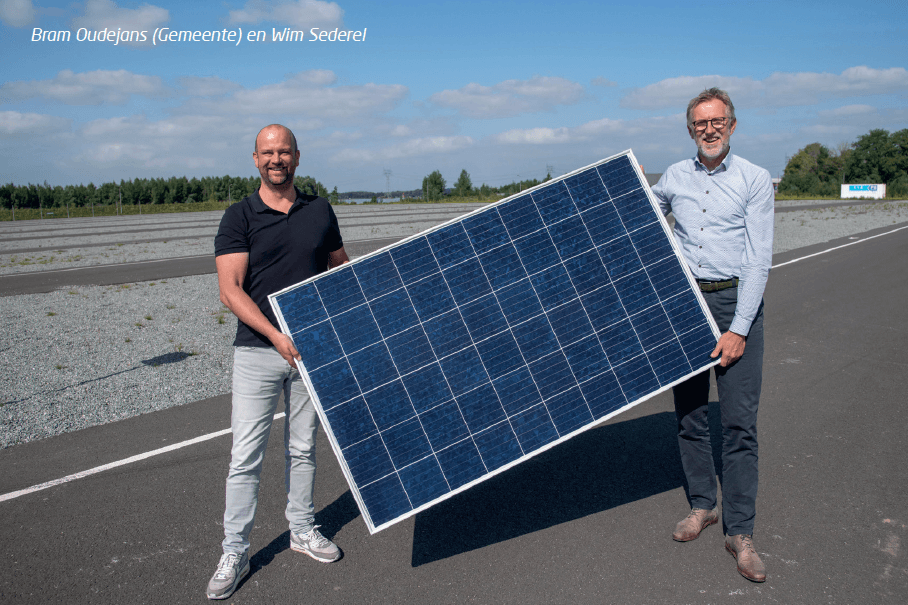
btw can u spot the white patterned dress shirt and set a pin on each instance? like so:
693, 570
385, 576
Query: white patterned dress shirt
724, 225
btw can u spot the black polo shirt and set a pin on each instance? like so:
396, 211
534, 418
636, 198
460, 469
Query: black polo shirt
284, 249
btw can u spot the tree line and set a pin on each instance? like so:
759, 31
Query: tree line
183, 190
175, 190
877, 157
434, 187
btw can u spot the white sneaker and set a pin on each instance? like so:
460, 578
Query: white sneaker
314, 544
231, 569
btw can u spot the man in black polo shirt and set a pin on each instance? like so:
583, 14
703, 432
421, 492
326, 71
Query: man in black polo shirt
272, 239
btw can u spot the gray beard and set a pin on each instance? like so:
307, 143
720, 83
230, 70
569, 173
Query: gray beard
725, 147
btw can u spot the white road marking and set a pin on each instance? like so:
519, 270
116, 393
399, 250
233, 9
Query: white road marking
838, 247
130, 460
182, 444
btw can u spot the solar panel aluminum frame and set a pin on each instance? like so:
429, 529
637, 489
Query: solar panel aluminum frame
354, 488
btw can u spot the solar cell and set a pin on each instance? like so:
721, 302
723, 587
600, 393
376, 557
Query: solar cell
445, 359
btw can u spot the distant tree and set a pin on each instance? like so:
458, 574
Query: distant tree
866, 164
333, 198
880, 157
6, 195
310, 186
433, 186
813, 170
464, 186
897, 165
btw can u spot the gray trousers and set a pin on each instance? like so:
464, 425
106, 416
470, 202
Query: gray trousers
260, 375
739, 396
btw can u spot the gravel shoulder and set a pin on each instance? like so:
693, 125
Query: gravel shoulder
27, 246
80, 357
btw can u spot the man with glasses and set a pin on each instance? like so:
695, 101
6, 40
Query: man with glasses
723, 208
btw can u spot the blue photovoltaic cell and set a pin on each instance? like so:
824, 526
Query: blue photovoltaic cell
437, 362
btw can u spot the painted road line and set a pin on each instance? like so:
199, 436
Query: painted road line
106, 467
838, 247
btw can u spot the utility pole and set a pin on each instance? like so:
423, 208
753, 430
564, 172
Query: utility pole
549, 169
388, 181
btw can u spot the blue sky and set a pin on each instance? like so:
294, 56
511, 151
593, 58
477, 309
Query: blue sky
501, 89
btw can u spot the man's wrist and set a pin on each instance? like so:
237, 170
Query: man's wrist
740, 327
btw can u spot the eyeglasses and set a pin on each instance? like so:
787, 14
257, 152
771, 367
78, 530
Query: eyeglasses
718, 124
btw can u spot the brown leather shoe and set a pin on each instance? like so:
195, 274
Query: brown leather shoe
696, 521
749, 564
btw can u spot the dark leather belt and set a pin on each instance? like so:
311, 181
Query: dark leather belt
715, 286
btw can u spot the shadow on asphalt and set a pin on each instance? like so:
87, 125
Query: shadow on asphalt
330, 521
598, 470
595, 471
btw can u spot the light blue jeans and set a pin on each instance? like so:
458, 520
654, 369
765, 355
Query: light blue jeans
260, 375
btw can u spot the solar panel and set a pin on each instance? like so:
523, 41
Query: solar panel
462, 351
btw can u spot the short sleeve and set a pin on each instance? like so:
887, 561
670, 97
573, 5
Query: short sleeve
333, 239
233, 234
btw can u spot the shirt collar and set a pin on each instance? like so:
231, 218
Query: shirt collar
260, 206
723, 166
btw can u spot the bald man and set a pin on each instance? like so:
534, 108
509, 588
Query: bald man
272, 239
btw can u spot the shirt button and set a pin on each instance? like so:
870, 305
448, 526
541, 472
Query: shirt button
704, 210
701, 228
701, 246
707, 192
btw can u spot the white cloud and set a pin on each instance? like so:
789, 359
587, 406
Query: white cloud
87, 88
306, 94
14, 123
17, 13
848, 111
511, 97
207, 86
601, 129
101, 14
417, 127
168, 146
677, 92
806, 88
777, 90
535, 136
316, 77
600, 81
304, 14
413, 147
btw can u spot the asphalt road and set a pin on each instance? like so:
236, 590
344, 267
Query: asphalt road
587, 522
37, 282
